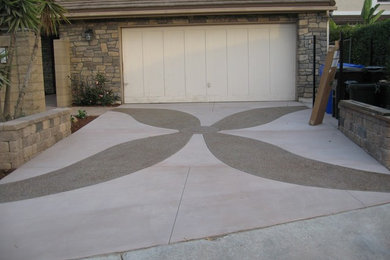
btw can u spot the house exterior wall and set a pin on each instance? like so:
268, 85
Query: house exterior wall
310, 24
349, 5
356, 5
348, 11
102, 53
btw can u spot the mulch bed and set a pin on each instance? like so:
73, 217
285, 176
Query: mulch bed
81, 122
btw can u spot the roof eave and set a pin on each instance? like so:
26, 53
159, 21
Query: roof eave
97, 14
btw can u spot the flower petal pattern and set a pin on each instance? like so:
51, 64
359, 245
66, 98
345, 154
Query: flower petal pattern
164, 118
254, 117
271, 162
109, 164
245, 154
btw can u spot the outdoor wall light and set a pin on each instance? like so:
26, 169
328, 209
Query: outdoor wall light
88, 34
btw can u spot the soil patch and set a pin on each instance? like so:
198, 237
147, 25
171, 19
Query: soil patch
80, 122
4, 173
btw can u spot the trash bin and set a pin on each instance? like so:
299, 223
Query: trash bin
375, 73
352, 73
365, 93
384, 99
329, 105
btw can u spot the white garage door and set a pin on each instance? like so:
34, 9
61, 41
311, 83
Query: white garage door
209, 63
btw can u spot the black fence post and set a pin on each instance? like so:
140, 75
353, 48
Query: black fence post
314, 69
340, 90
371, 51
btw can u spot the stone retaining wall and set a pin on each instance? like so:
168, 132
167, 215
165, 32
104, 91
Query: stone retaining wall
368, 126
23, 138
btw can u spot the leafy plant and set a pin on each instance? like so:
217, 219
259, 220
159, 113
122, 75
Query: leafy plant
335, 30
38, 16
368, 12
98, 94
81, 114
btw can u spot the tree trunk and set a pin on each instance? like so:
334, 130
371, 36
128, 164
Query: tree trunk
7, 99
22, 89
2, 118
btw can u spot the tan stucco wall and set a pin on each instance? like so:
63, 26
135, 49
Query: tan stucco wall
34, 99
349, 5
62, 70
356, 5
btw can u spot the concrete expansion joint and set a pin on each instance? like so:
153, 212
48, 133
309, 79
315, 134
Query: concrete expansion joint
178, 207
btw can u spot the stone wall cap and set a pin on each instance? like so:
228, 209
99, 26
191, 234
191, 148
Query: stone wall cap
22, 122
365, 107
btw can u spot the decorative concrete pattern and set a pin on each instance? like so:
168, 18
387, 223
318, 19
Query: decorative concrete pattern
271, 162
191, 194
112, 163
245, 154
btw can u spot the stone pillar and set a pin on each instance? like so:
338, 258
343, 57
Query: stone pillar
62, 70
4, 42
310, 24
34, 99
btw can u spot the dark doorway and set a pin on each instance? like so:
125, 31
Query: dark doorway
48, 70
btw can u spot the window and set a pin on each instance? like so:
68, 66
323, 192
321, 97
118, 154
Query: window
3, 55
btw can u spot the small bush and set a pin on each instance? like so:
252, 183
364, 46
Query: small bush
81, 114
98, 94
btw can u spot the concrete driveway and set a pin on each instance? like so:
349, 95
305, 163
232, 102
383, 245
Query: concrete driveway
145, 175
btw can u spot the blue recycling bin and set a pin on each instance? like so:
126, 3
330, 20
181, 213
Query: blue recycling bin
329, 105
346, 66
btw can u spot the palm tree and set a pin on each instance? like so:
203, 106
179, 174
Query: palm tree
368, 12
15, 15
38, 16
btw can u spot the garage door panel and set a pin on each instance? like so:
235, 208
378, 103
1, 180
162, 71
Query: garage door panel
174, 65
153, 46
282, 69
216, 58
259, 62
195, 62
237, 53
133, 78
209, 63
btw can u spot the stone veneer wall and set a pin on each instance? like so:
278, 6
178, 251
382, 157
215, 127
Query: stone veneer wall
23, 138
310, 24
368, 126
102, 53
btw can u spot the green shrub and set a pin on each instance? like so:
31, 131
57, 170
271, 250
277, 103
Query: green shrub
334, 31
379, 34
98, 94
361, 36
